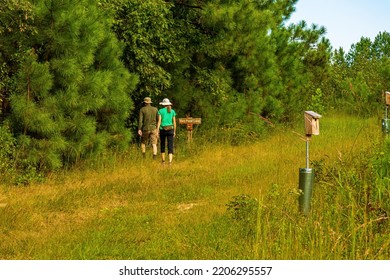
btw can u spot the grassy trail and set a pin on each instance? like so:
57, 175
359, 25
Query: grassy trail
125, 208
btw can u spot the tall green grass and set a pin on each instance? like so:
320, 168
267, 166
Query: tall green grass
217, 201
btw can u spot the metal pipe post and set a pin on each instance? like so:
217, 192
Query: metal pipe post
385, 123
306, 179
307, 151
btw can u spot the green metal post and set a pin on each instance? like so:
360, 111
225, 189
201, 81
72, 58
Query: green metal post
306, 179
306, 175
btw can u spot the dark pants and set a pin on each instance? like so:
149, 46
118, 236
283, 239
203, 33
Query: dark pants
166, 135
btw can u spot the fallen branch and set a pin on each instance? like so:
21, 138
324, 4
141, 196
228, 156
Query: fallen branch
264, 119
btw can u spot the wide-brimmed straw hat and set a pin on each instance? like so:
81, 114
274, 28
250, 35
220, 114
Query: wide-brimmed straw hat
165, 102
147, 100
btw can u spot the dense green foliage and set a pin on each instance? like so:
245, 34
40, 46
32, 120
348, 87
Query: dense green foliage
70, 71
360, 77
71, 94
15, 28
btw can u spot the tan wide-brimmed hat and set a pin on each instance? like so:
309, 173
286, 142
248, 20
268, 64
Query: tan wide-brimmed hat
165, 102
147, 100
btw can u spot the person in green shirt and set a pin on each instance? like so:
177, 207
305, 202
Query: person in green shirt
167, 126
147, 126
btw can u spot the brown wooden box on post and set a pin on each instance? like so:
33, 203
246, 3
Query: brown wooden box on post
387, 98
312, 123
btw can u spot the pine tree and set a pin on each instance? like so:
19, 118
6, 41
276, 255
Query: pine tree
15, 28
361, 76
73, 91
225, 61
154, 41
235, 72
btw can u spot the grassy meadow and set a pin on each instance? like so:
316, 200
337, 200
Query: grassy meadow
216, 201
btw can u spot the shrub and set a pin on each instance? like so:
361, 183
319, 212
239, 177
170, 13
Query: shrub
243, 209
7, 152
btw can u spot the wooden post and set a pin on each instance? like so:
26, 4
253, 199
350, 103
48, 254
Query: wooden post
189, 121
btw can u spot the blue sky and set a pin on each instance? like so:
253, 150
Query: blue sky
346, 21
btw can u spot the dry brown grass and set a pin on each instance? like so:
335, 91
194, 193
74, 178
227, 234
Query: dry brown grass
144, 204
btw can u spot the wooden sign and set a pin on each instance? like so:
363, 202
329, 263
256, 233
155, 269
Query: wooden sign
189, 121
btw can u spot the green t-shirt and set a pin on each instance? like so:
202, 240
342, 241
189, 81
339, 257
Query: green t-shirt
166, 117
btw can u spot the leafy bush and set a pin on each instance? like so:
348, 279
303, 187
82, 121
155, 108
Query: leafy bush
358, 188
243, 209
317, 101
7, 152
15, 170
